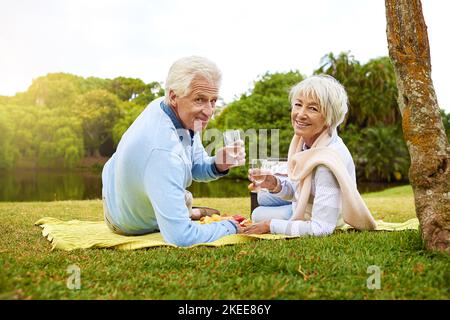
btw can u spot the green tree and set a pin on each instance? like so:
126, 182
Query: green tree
379, 152
371, 88
55, 90
446, 121
126, 89
69, 144
98, 110
39, 136
22, 123
8, 150
59, 139
130, 112
151, 91
94, 83
62, 117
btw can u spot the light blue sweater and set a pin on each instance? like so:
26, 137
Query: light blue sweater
144, 181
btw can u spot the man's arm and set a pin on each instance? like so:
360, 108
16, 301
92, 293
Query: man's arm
164, 182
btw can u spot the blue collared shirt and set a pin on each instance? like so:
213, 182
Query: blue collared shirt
176, 122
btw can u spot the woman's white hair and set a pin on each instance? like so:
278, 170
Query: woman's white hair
328, 93
185, 70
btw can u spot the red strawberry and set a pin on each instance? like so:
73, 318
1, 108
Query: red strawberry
238, 218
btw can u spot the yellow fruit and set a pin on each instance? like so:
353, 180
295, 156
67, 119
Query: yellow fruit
216, 217
208, 220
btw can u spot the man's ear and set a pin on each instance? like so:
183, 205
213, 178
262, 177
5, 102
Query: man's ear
172, 98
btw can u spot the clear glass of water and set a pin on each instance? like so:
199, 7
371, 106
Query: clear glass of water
272, 165
261, 168
230, 139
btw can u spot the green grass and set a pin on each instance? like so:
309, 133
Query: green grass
333, 267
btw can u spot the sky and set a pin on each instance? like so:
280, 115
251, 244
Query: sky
245, 38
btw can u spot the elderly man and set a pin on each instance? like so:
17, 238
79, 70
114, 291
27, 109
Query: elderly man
145, 181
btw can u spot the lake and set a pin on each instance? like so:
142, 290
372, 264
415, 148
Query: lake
54, 185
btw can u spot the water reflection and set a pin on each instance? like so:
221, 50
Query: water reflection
51, 185
222, 188
43, 185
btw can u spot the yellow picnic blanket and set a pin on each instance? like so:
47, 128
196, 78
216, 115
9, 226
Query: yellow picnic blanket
76, 234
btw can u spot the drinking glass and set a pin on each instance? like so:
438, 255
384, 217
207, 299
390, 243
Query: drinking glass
261, 168
278, 166
230, 138
272, 165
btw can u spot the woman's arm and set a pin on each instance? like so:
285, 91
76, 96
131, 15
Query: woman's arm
286, 190
325, 210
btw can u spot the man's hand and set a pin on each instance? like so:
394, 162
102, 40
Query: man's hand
196, 214
258, 228
232, 156
239, 228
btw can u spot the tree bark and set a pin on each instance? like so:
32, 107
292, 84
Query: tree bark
423, 130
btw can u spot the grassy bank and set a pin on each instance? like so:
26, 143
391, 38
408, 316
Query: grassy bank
333, 267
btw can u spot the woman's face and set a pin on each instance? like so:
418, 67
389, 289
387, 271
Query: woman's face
306, 118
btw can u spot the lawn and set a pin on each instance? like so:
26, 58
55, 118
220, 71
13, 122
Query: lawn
333, 267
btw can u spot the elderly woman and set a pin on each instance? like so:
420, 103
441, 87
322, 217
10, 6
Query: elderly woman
320, 192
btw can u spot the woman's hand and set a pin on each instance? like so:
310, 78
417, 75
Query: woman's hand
269, 183
258, 228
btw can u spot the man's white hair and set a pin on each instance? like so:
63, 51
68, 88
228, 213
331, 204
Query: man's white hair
185, 70
328, 93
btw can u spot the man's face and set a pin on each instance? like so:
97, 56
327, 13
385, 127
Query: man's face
196, 108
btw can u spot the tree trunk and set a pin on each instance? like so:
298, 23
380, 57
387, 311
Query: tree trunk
423, 130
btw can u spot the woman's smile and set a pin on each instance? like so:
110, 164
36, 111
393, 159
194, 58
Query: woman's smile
301, 124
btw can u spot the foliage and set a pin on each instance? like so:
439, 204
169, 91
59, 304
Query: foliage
126, 89
98, 110
129, 89
63, 117
371, 88
8, 151
55, 90
40, 136
446, 122
129, 113
379, 152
